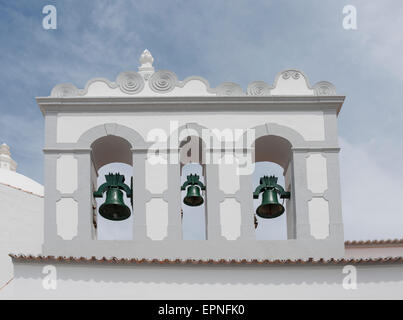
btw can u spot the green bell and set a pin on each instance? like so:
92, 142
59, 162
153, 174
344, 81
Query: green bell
270, 207
193, 197
193, 185
114, 207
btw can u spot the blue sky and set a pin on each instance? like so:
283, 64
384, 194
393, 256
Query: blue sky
239, 41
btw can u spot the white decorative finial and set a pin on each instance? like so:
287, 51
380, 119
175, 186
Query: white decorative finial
6, 162
146, 58
146, 68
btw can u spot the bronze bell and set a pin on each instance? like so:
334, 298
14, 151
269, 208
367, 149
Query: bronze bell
193, 185
114, 207
270, 207
193, 197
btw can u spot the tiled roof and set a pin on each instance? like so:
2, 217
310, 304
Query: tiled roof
343, 261
19, 189
386, 242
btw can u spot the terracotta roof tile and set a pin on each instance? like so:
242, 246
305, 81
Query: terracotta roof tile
386, 242
221, 261
19, 189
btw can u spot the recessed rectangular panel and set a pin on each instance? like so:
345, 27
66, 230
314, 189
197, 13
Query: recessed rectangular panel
157, 219
319, 218
156, 174
66, 174
230, 218
229, 179
67, 218
316, 173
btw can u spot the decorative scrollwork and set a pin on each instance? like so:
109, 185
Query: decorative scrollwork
324, 88
130, 82
64, 90
229, 89
286, 75
258, 88
291, 73
163, 81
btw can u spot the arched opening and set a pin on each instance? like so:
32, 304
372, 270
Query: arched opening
272, 155
193, 197
112, 155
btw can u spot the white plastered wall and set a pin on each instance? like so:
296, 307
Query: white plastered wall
289, 203
21, 227
318, 206
206, 282
230, 209
228, 177
157, 219
67, 218
230, 219
66, 174
67, 207
156, 174
309, 124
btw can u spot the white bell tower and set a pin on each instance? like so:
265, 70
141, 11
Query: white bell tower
147, 120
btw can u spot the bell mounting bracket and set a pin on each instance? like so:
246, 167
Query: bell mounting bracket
267, 183
115, 180
193, 179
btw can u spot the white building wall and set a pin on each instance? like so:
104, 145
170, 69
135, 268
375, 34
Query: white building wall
21, 227
79, 281
374, 251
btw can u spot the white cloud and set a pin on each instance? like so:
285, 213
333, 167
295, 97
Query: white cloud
380, 24
372, 196
24, 135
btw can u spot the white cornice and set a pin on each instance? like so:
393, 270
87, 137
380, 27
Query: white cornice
175, 104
